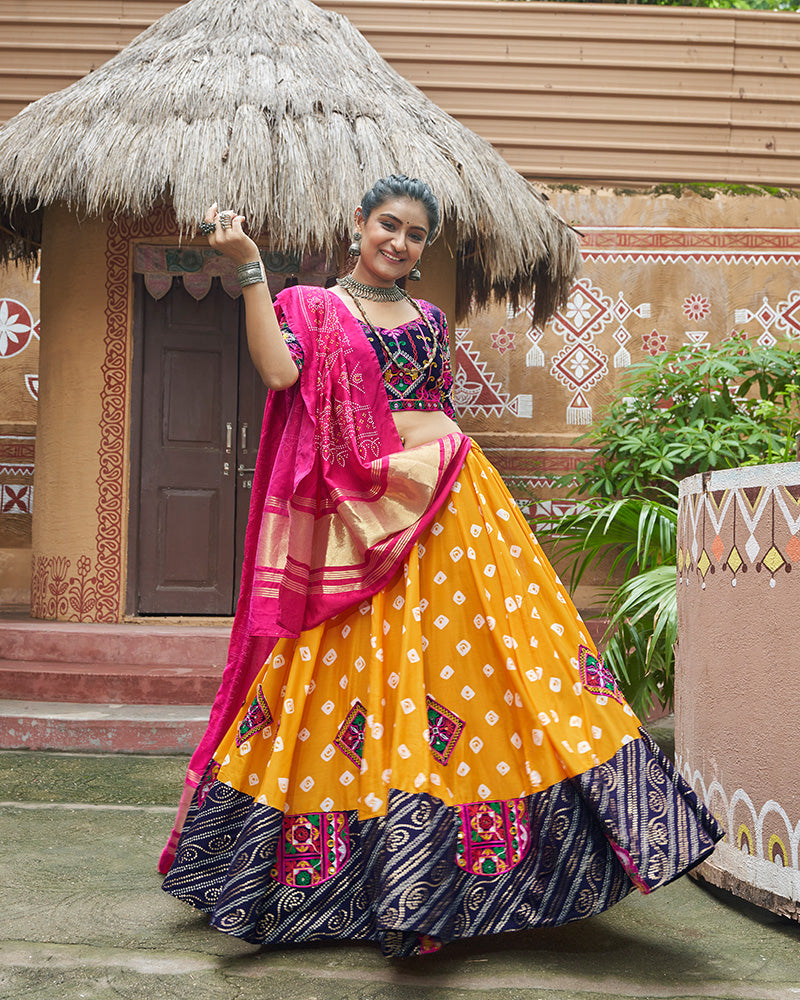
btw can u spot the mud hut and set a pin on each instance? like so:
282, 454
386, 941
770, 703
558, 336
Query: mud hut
149, 410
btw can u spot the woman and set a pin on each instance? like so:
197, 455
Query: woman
415, 739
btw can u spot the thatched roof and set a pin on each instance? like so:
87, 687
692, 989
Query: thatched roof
286, 112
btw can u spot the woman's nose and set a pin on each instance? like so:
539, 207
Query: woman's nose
399, 241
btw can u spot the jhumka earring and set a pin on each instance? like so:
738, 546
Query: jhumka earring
354, 250
414, 274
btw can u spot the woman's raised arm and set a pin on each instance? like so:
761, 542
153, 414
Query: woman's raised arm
268, 350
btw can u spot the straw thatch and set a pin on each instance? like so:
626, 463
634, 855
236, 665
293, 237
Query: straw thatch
284, 111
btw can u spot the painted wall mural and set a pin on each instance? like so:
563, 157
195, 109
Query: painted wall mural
761, 845
19, 391
528, 392
92, 588
737, 701
731, 532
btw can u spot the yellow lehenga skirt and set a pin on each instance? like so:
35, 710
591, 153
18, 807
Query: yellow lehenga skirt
450, 758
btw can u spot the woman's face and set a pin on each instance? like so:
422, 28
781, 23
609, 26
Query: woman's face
392, 240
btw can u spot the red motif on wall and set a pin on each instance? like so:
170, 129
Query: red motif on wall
654, 343
16, 499
503, 340
16, 327
55, 594
476, 390
668, 246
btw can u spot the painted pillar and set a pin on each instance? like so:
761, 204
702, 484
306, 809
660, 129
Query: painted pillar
69, 434
737, 697
80, 520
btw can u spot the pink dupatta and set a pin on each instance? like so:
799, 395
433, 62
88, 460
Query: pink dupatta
337, 504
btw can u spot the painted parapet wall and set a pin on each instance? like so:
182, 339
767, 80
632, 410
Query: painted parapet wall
737, 697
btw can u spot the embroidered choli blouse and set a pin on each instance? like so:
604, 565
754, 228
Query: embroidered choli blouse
402, 354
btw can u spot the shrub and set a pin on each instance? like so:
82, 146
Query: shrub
685, 412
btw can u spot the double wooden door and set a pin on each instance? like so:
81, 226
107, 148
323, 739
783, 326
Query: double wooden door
201, 404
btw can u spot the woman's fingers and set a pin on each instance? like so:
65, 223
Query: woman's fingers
228, 236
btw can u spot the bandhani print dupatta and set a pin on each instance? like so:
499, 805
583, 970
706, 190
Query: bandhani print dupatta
337, 503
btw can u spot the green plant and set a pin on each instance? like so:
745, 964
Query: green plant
693, 410
685, 412
636, 538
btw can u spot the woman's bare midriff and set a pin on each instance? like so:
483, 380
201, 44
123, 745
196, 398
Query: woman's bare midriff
417, 427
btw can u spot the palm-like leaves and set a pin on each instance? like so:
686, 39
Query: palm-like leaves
639, 534
681, 413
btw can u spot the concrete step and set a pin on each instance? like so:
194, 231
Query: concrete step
101, 728
126, 683
146, 644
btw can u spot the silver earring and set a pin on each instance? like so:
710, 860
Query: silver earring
354, 250
414, 274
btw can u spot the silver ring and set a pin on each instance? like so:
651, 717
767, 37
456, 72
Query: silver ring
207, 228
226, 219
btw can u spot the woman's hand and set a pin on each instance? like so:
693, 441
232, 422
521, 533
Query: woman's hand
232, 241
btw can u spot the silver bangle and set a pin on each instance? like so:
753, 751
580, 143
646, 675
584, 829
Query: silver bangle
251, 273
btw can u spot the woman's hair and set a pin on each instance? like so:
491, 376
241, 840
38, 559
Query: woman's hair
400, 186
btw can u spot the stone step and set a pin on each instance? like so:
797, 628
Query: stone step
146, 644
121, 683
153, 729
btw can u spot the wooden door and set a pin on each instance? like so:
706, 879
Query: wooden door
187, 499
252, 399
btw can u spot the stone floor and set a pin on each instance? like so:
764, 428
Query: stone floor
83, 916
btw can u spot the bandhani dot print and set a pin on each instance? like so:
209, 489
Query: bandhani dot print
449, 691
455, 772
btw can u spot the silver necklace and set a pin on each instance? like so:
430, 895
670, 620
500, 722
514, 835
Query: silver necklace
377, 293
430, 348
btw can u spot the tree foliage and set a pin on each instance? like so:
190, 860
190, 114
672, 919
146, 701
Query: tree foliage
684, 412
692, 410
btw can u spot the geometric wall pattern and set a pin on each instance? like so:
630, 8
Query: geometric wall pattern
526, 392
738, 553
760, 525
762, 843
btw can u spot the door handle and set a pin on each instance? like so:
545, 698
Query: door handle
242, 471
244, 437
226, 468
228, 437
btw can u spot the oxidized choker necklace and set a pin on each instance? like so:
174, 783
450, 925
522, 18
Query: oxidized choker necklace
430, 348
375, 292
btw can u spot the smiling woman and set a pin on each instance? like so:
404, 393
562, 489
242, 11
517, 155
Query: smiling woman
415, 739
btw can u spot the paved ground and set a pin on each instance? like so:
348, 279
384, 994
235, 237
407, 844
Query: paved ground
82, 916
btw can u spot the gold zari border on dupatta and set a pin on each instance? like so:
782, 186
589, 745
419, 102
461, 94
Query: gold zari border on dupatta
357, 536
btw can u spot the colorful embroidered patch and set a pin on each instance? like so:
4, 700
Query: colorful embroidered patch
258, 717
350, 737
429, 945
596, 677
629, 865
313, 848
208, 780
493, 837
444, 729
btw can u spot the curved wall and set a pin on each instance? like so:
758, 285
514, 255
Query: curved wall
737, 693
